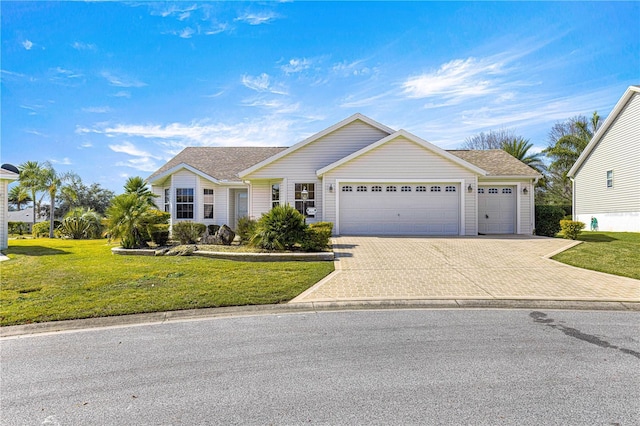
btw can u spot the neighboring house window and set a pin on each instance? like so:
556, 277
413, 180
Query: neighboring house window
376, 188
184, 203
208, 203
450, 189
405, 188
435, 189
275, 195
609, 178
311, 196
421, 188
167, 200
506, 190
361, 188
391, 188
347, 188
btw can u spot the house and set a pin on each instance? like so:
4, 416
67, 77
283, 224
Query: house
363, 176
25, 216
8, 173
606, 175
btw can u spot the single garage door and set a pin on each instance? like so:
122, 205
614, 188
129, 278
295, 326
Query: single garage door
496, 209
399, 208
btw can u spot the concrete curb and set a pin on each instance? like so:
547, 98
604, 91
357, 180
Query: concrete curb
256, 310
242, 257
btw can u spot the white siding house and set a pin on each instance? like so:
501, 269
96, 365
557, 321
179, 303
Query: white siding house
8, 174
366, 179
606, 175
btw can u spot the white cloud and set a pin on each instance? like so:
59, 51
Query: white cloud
97, 109
130, 149
217, 29
142, 163
296, 65
273, 105
62, 72
27, 44
85, 145
78, 45
37, 133
257, 18
262, 83
175, 10
121, 81
355, 68
66, 161
122, 94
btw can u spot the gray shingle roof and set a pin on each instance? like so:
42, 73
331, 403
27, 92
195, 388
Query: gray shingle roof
222, 163
496, 162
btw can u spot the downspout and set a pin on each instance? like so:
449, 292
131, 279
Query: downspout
573, 199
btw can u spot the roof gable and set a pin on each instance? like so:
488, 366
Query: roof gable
626, 97
218, 164
314, 138
413, 138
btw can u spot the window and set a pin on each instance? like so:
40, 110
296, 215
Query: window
421, 188
435, 189
361, 188
301, 205
347, 188
493, 190
207, 200
167, 200
506, 190
275, 195
480, 190
184, 203
609, 178
376, 188
449, 189
405, 188
391, 188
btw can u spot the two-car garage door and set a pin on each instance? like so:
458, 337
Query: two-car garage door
399, 208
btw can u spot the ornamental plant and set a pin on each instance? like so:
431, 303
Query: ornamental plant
279, 229
571, 229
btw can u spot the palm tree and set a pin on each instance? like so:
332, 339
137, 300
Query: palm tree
18, 195
31, 178
52, 183
128, 218
519, 148
137, 185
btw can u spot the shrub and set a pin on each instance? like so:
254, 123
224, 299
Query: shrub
571, 229
187, 232
41, 229
548, 220
246, 228
129, 218
279, 229
18, 227
316, 236
159, 234
81, 224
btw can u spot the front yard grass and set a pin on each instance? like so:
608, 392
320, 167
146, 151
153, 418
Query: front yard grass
52, 279
615, 253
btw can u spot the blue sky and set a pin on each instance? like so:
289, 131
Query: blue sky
111, 90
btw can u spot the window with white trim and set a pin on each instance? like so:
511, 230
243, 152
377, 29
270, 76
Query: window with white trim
275, 195
302, 205
392, 188
609, 178
167, 200
421, 188
184, 203
435, 188
347, 188
449, 189
506, 190
405, 188
207, 202
376, 188
361, 188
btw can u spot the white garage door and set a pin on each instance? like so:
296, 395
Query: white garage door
497, 209
399, 208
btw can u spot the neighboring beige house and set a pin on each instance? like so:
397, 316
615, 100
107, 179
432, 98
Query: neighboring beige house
606, 176
8, 173
363, 176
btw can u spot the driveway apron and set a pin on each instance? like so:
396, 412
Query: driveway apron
484, 267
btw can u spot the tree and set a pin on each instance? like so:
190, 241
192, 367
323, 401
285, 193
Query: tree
92, 197
32, 179
137, 185
519, 148
567, 140
129, 218
52, 183
18, 195
492, 140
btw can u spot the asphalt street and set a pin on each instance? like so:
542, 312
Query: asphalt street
352, 367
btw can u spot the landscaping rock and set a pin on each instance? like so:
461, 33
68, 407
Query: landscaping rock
225, 235
186, 250
208, 238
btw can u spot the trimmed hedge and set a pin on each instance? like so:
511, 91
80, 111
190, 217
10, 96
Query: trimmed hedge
316, 236
187, 232
571, 229
41, 229
548, 220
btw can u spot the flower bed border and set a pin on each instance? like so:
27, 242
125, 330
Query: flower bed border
240, 256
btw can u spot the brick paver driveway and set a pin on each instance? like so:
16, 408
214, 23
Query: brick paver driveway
500, 267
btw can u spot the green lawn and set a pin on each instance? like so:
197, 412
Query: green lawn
48, 280
611, 252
